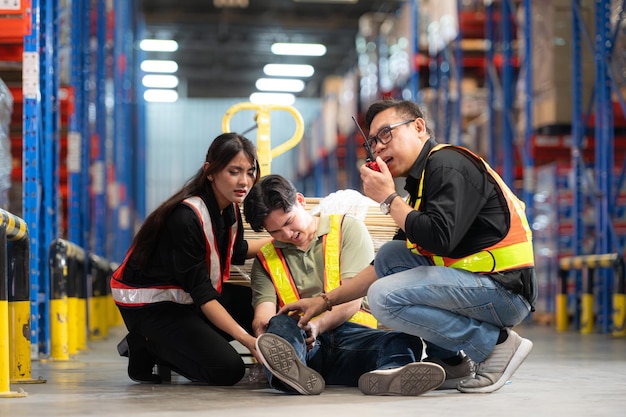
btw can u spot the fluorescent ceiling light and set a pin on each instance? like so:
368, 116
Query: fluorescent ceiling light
161, 66
158, 45
288, 70
280, 84
302, 49
160, 81
160, 96
326, 1
273, 98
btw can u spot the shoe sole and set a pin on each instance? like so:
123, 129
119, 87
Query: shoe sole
412, 379
520, 355
280, 358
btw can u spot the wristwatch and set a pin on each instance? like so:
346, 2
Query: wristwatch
385, 206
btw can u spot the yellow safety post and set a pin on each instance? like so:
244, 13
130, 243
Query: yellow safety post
7, 231
99, 274
562, 320
68, 304
76, 298
59, 303
264, 151
619, 300
19, 307
619, 315
114, 315
587, 321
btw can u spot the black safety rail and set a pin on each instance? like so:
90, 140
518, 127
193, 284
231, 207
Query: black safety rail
101, 309
81, 306
588, 264
15, 347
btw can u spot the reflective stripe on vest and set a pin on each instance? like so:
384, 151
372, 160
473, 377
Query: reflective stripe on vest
133, 297
274, 264
512, 252
130, 296
212, 255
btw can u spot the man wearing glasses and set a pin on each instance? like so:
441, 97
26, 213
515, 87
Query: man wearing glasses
460, 271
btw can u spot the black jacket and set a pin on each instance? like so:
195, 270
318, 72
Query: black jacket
462, 211
180, 255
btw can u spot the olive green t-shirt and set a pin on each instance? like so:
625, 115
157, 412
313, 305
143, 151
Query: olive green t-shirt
307, 266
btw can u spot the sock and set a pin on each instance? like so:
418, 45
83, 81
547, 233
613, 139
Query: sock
453, 360
503, 336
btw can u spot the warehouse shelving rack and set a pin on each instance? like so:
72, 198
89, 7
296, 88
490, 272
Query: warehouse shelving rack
514, 157
105, 144
40, 157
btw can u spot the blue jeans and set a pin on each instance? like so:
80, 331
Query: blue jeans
343, 354
451, 309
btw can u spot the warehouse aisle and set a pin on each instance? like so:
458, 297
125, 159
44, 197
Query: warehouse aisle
567, 374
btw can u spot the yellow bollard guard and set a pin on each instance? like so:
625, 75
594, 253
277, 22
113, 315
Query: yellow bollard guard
587, 321
619, 315
264, 151
562, 320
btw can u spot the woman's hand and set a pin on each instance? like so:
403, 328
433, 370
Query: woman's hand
312, 331
250, 343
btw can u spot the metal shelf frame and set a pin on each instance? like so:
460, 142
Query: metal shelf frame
41, 158
603, 188
500, 82
106, 143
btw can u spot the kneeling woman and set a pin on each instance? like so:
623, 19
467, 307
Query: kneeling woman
171, 288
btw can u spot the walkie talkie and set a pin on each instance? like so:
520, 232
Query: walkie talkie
370, 161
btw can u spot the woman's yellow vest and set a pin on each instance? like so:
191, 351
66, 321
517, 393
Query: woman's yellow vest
512, 252
274, 263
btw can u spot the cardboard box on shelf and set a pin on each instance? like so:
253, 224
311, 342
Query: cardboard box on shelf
552, 61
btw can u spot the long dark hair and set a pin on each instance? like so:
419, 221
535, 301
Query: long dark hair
221, 151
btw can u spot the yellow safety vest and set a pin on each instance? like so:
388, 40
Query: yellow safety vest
274, 264
512, 252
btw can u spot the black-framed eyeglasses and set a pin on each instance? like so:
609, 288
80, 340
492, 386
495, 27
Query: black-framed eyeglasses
384, 134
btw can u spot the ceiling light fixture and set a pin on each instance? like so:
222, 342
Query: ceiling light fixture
273, 98
158, 45
230, 3
288, 70
300, 49
280, 84
160, 96
160, 81
160, 66
326, 1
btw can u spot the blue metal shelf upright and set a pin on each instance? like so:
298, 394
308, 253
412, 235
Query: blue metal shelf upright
105, 138
603, 189
40, 158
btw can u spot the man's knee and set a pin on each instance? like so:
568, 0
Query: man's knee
282, 322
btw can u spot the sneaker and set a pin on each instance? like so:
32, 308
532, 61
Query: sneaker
454, 373
280, 358
499, 366
413, 379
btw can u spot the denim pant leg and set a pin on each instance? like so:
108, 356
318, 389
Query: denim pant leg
450, 308
350, 350
287, 327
